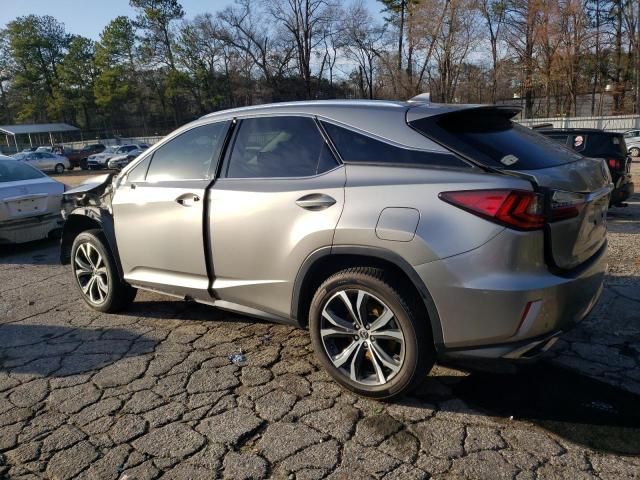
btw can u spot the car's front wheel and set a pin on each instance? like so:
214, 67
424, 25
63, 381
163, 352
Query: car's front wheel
96, 274
59, 168
371, 338
634, 152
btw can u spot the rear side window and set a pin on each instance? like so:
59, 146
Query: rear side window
489, 137
357, 148
270, 147
189, 155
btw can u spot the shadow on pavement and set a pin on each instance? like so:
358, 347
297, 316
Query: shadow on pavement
566, 403
56, 351
185, 310
39, 252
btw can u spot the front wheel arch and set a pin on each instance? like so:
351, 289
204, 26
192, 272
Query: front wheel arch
89, 218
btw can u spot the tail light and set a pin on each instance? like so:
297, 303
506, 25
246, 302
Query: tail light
615, 164
517, 209
566, 204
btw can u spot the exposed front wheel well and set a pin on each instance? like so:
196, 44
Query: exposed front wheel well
74, 226
327, 265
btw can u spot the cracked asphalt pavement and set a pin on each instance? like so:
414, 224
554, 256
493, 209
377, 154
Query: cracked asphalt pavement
151, 393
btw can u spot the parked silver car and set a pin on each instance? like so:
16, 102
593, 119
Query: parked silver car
632, 139
118, 162
45, 161
30, 202
397, 232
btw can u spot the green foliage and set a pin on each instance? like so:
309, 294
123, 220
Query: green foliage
37, 45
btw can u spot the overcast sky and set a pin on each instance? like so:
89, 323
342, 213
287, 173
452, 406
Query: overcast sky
89, 17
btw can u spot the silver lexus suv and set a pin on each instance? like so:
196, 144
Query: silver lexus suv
398, 233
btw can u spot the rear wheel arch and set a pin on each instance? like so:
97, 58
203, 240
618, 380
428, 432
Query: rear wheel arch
326, 261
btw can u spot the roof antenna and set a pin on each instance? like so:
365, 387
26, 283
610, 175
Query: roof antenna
421, 98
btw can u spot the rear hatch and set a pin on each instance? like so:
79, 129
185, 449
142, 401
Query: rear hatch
576, 189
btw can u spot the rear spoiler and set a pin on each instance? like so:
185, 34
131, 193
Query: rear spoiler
436, 111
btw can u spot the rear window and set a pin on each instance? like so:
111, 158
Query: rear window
601, 144
14, 171
492, 139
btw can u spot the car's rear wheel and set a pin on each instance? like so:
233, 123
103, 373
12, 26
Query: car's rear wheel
372, 339
59, 168
635, 152
96, 274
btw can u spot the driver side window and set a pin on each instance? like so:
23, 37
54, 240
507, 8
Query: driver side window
189, 155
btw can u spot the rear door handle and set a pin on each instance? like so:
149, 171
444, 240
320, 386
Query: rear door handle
188, 199
315, 201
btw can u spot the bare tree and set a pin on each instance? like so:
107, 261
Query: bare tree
453, 44
244, 26
522, 20
306, 22
362, 38
493, 12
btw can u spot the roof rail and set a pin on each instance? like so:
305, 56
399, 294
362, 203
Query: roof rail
421, 98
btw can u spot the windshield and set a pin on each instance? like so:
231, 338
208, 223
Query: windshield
12, 171
110, 150
19, 156
489, 137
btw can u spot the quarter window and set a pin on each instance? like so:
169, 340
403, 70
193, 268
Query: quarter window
270, 147
139, 172
355, 147
189, 155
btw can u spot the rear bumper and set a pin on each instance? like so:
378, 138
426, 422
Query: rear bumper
501, 301
29, 229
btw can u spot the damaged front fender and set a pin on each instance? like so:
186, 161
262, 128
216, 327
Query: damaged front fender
88, 207
95, 192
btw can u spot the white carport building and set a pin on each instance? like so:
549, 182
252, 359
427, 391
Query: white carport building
35, 131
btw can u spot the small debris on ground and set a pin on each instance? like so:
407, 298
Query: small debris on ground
238, 358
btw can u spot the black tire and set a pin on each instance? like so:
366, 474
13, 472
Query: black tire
59, 168
409, 316
83, 164
119, 294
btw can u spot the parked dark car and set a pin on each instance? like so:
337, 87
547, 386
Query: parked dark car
78, 158
595, 143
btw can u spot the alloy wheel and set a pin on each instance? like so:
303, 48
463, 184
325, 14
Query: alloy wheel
91, 272
361, 337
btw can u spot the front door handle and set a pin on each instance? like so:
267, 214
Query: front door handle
188, 199
315, 201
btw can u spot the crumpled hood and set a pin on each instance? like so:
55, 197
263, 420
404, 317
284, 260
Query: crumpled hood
90, 184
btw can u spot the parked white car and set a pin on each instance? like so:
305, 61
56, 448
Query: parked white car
632, 139
30, 202
44, 161
100, 160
